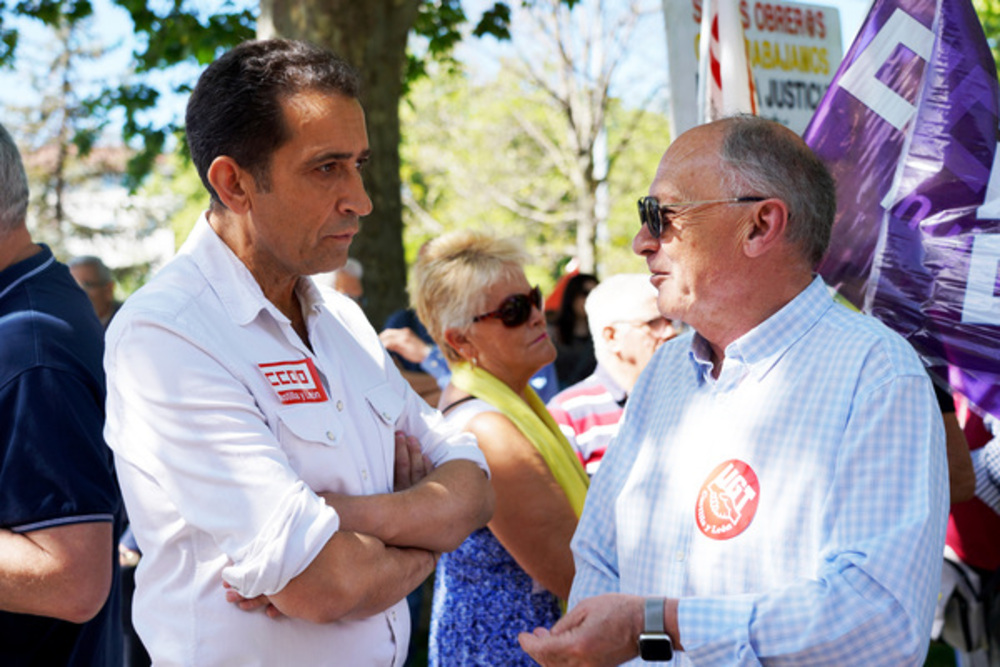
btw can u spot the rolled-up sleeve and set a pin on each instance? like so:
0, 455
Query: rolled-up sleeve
441, 441
197, 449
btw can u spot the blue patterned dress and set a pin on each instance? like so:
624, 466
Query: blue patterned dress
483, 599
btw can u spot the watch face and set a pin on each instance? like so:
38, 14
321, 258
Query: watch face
656, 647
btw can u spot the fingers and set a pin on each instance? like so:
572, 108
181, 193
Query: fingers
418, 462
536, 644
251, 604
401, 471
411, 464
390, 339
246, 604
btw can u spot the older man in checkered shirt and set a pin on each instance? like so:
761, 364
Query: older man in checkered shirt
778, 491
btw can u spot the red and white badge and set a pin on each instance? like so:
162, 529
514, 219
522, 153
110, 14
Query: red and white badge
728, 500
295, 381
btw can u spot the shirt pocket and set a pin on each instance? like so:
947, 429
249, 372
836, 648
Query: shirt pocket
314, 440
386, 404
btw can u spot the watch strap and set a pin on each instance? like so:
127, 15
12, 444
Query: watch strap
654, 616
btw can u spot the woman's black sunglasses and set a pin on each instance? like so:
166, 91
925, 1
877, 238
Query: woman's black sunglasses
515, 309
656, 216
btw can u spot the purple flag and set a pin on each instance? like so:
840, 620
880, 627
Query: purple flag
909, 130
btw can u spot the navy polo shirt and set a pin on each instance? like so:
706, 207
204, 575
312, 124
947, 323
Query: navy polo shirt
55, 468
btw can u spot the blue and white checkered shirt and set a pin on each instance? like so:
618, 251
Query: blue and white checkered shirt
796, 505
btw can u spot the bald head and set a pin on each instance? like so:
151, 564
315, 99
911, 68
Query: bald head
746, 210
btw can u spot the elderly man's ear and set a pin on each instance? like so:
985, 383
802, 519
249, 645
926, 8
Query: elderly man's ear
611, 341
766, 227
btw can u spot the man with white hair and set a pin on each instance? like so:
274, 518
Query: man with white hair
627, 328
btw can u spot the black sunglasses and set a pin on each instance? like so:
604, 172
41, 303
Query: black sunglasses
515, 309
656, 216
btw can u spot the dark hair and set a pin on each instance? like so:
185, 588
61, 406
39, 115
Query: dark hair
762, 157
235, 109
566, 318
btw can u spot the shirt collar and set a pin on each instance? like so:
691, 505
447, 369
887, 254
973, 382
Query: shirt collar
15, 274
613, 388
760, 348
232, 281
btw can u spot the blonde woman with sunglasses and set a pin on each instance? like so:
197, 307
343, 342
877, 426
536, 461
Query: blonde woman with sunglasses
472, 295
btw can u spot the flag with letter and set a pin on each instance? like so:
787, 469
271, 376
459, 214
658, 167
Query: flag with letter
909, 131
725, 82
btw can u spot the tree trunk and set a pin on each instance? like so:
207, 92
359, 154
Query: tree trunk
371, 35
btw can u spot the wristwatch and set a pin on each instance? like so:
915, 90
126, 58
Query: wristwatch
654, 642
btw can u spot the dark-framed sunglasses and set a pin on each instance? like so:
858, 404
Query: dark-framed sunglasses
515, 309
656, 216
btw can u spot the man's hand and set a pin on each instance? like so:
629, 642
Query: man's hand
251, 604
602, 630
405, 343
411, 463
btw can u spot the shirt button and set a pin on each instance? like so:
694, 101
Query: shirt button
385, 415
340, 406
364, 475
679, 556
392, 614
331, 437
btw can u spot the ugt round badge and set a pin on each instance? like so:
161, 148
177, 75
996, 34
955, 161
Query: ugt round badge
727, 501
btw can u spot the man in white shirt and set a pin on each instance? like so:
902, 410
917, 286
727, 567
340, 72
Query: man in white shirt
256, 420
778, 490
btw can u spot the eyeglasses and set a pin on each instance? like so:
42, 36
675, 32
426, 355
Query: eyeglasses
515, 309
656, 216
653, 324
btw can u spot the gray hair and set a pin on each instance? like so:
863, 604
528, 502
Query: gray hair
13, 184
103, 272
452, 275
762, 157
618, 298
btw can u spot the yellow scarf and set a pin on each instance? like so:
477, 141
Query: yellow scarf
534, 421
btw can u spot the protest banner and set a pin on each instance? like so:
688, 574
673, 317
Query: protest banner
909, 129
725, 82
793, 50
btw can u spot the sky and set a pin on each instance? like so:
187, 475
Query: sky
115, 29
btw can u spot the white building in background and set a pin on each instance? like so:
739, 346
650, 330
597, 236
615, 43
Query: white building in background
101, 217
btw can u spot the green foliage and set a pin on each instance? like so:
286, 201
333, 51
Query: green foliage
468, 162
495, 22
176, 31
173, 35
439, 23
178, 180
989, 16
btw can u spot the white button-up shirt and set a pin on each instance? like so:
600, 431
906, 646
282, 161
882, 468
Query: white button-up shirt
225, 425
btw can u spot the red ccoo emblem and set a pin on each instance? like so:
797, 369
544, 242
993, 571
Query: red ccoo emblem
728, 500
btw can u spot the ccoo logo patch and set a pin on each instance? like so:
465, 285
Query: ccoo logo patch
727, 501
295, 381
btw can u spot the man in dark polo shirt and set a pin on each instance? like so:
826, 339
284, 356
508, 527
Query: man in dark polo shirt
59, 503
